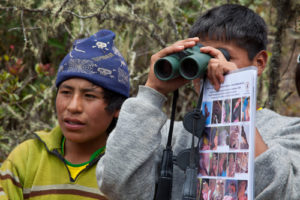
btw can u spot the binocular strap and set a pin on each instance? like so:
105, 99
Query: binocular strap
164, 186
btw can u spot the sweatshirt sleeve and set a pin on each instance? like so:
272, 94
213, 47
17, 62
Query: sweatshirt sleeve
10, 186
12, 173
276, 170
128, 168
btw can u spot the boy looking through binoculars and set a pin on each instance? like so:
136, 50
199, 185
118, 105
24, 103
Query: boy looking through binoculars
129, 168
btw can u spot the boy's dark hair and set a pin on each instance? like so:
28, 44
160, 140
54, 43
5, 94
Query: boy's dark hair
114, 102
233, 22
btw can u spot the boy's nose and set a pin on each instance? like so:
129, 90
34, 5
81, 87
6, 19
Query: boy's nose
75, 105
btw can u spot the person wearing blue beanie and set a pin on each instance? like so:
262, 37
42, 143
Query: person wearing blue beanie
97, 60
92, 82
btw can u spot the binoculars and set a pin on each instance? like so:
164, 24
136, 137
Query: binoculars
189, 63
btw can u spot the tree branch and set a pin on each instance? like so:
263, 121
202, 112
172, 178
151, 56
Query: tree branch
32, 10
61, 7
23, 30
291, 57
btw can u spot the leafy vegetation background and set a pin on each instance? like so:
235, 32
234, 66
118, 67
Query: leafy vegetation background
35, 35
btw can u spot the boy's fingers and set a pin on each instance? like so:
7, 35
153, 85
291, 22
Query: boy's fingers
213, 75
165, 87
166, 51
209, 75
174, 48
194, 39
230, 67
220, 76
216, 53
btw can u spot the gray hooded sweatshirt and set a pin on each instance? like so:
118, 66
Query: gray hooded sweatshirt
128, 170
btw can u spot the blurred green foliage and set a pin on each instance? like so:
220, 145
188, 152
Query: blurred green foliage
37, 34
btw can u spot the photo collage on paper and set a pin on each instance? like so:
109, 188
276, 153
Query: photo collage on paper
224, 150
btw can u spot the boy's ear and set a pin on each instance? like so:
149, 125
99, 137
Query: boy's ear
116, 114
260, 60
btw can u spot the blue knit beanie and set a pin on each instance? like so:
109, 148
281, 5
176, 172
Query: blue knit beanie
97, 60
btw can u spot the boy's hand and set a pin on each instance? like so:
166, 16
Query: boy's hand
165, 87
217, 66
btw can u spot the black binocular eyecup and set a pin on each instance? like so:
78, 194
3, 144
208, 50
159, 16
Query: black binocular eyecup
164, 70
193, 67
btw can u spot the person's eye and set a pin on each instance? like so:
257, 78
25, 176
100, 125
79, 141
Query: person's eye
65, 92
90, 96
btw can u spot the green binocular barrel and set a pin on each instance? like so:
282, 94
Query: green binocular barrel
167, 68
189, 67
194, 66
189, 64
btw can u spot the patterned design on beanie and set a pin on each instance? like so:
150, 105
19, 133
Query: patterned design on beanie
79, 65
122, 76
97, 60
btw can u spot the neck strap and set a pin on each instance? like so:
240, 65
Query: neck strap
93, 156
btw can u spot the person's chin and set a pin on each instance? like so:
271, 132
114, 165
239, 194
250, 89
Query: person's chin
76, 137
73, 134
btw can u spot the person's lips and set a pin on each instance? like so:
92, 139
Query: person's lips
73, 124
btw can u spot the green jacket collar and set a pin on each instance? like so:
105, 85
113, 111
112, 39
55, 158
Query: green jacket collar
52, 140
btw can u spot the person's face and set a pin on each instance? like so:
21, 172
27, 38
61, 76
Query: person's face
238, 56
81, 111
